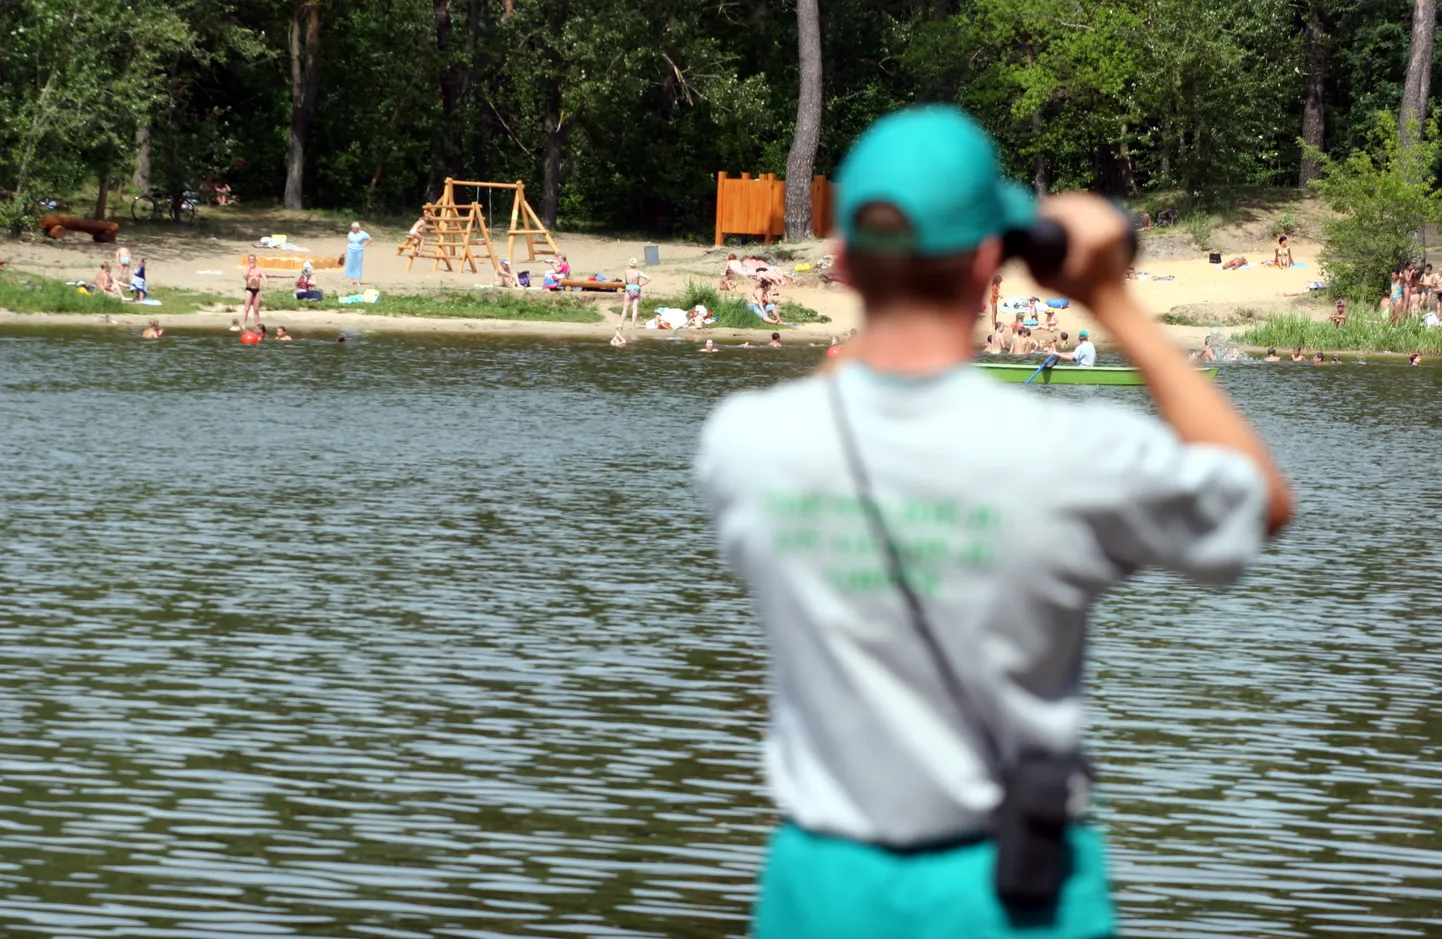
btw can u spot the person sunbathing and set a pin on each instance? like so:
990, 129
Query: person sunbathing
105, 283
505, 277
735, 274
1282, 255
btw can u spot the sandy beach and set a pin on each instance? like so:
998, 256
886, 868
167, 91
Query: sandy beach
1175, 279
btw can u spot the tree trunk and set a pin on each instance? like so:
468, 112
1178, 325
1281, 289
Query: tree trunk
555, 141
140, 179
104, 196
802, 160
1040, 177
1411, 120
1314, 41
453, 91
304, 83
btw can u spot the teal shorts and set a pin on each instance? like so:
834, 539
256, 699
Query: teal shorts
820, 887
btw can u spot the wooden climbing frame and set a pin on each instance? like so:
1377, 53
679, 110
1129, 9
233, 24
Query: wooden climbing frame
454, 225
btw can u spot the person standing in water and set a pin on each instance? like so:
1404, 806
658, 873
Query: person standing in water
925, 737
254, 279
633, 280
152, 330
355, 254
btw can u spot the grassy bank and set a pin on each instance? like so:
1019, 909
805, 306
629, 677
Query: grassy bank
32, 293
1361, 334
730, 309
464, 304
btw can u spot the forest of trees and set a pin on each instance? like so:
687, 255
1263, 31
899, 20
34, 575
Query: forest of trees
618, 112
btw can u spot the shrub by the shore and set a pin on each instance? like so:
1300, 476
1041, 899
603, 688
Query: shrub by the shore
530, 306
1363, 333
34, 293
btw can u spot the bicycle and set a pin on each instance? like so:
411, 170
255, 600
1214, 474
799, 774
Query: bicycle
157, 205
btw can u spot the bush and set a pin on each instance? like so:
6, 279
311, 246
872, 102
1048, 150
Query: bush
1286, 224
1383, 196
1365, 331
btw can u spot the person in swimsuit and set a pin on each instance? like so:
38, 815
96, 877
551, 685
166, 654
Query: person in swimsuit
1208, 354
152, 331
763, 303
634, 281
282, 335
104, 282
1319, 359
1282, 257
1339, 318
1297, 355
1393, 302
417, 235
505, 276
995, 294
618, 340
1235, 264
1414, 359
775, 342
1272, 355
734, 274
710, 346
254, 278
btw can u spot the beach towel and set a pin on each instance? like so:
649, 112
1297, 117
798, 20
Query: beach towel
148, 302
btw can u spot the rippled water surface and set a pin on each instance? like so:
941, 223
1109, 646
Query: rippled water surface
426, 637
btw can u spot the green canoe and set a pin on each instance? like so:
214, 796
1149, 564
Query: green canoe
1070, 374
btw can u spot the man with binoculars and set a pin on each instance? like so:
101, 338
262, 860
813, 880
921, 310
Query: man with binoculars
925, 744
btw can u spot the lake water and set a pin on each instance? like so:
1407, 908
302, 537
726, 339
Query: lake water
420, 637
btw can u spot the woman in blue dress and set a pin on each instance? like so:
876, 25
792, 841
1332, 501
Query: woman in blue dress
355, 253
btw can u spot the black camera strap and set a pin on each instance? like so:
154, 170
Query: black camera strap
917, 614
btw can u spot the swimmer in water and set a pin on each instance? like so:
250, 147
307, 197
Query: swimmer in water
234, 325
152, 331
618, 340
1336, 359
281, 335
1297, 355
1272, 355
1208, 354
1414, 359
340, 339
775, 342
710, 346
1319, 359
260, 330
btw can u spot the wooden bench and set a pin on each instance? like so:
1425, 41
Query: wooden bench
56, 226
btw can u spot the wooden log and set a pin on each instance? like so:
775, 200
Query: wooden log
97, 229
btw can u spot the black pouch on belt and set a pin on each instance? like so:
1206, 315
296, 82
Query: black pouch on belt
1033, 858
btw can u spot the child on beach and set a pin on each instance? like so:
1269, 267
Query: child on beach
137, 283
505, 277
416, 237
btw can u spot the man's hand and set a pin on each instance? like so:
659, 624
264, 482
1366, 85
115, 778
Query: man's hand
1098, 248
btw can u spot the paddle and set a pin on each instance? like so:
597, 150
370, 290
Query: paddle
1047, 363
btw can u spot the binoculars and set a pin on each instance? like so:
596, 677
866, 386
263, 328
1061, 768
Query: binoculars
1044, 246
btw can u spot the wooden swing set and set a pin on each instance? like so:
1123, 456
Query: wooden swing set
454, 225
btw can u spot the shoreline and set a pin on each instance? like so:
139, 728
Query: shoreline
329, 322
302, 319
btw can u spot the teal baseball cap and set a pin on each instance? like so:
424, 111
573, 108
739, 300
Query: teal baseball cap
937, 166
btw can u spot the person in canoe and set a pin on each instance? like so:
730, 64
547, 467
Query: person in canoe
1084, 355
927, 716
